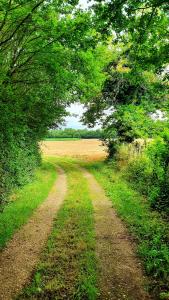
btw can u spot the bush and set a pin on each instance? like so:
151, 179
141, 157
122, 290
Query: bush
19, 158
149, 173
139, 172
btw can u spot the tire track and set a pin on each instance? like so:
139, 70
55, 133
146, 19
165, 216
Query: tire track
121, 276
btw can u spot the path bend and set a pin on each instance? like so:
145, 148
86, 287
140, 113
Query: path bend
21, 255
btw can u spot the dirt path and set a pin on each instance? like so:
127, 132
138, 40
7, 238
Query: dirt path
120, 273
21, 255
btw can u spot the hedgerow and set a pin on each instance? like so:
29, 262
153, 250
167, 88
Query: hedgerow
149, 171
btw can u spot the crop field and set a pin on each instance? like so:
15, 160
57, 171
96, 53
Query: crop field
90, 149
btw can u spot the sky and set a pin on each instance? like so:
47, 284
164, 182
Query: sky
73, 121
84, 3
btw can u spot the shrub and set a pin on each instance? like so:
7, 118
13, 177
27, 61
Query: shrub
149, 173
19, 158
139, 172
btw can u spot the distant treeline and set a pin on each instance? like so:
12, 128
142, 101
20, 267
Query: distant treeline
74, 133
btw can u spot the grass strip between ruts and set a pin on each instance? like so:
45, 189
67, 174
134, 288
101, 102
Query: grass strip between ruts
67, 269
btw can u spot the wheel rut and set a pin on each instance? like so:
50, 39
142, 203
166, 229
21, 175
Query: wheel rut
120, 273
21, 255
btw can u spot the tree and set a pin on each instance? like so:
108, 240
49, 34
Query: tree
46, 48
129, 95
138, 32
144, 24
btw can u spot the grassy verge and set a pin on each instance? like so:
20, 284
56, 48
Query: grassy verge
150, 231
25, 201
67, 269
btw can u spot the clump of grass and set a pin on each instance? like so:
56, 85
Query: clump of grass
149, 229
25, 201
67, 269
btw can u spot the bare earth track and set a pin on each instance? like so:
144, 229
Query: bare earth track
21, 255
120, 275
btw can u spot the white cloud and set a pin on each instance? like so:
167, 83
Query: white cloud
159, 115
73, 121
84, 4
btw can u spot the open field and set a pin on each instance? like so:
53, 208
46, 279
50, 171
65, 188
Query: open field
90, 149
61, 139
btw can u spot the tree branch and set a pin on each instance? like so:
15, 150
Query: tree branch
31, 56
21, 23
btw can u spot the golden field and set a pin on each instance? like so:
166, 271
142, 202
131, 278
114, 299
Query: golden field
90, 149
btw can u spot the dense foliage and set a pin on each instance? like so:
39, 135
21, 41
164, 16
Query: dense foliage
149, 171
137, 75
142, 25
47, 57
74, 133
128, 99
136, 88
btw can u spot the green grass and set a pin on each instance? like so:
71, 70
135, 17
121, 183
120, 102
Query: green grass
67, 269
147, 226
25, 201
62, 139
